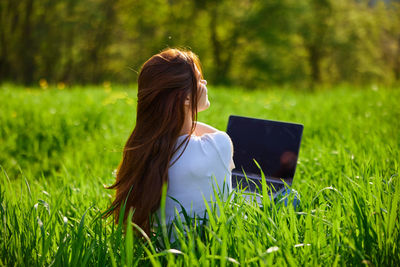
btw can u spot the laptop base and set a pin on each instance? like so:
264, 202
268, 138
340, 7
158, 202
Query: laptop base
250, 183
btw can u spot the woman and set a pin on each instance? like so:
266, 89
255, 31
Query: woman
167, 145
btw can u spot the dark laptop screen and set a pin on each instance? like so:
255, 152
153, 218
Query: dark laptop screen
274, 145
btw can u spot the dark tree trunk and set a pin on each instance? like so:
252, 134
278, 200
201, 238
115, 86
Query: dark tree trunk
223, 51
102, 39
27, 45
216, 46
397, 61
314, 61
9, 18
69, 40
3, 56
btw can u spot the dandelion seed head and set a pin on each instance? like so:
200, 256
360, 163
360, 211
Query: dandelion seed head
272, 249
40, 223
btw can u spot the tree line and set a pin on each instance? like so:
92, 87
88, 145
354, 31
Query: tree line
249, 43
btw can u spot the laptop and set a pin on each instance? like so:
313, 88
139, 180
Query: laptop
274, 145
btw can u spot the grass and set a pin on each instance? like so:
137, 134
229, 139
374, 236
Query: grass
58, 148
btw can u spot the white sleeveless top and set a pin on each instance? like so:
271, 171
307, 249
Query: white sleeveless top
205, 161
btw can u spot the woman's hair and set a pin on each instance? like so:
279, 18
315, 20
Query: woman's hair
165, 81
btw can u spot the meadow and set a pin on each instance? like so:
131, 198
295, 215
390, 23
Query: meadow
58, 148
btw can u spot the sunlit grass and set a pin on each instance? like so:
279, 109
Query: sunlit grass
59, 146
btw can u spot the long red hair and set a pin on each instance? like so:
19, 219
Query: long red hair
165, 81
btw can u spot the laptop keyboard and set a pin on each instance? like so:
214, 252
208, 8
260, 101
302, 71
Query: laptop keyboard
251, 184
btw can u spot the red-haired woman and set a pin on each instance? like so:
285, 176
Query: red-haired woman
168, 145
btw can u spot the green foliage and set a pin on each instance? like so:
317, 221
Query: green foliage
248, 43
59, 147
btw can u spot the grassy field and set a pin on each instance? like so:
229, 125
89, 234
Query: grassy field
59, 147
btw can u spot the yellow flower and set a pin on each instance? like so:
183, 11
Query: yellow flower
130, 101
112, 98
107, 86
43, 83
60, 85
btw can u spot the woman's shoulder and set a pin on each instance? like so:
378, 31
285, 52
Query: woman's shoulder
210, 147
220, 143
219, 139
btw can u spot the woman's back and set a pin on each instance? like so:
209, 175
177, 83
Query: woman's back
204, 164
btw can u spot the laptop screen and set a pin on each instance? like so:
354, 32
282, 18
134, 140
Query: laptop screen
274, 145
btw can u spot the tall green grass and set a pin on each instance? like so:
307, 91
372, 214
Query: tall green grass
59, 147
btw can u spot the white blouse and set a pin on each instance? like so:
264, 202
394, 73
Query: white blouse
205, 162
